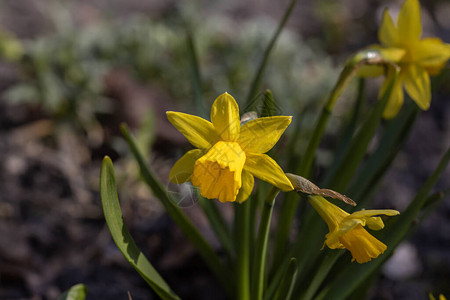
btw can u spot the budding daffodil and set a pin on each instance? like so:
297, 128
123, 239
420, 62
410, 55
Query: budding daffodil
417, 58
347, 230
228, 154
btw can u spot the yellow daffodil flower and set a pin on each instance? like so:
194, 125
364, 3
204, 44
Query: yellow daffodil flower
417, 58
347, 230
441, 297
228, 154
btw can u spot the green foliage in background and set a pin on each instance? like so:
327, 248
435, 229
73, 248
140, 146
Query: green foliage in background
64, 72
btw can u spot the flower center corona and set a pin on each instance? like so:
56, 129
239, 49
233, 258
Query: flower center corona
218, 172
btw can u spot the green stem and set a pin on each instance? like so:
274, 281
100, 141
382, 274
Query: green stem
350, 68
242, 234
340, 175
321, 273
218, 224
260, 258
250, 105
287, 285
288, 210
196, 77
348, 132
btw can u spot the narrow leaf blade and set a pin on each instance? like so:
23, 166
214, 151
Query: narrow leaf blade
76, 292
121, 235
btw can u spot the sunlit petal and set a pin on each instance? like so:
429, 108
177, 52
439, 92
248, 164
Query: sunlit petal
409, 24
199, 132
417, 84
260, 135
265, 168
387, 33
362, 245
374, 212
225, 117
393, 54
184, 167
247, 187
395, 101
432, 54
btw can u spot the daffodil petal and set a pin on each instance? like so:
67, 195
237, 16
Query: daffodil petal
330, 213
183, 168
374, 212
332, 241
393, 54
265, 168
225, 117
247, 186
260, 135
375, 223
395, 101
432, 53
362, 245
387, 33
348, 224
409, 24
365, 217
199, 132
417, 84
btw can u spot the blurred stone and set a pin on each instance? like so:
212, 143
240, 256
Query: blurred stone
403, 264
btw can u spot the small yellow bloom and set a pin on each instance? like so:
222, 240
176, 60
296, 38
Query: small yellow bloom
417, 58
441, 297
229, 154
347, 230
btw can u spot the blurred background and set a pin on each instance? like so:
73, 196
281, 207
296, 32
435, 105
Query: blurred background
72, 71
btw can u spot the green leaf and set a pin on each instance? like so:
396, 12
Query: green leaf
393, 137
268, 108
260, 256
397, 229
256, 83
242, 236
76, 292
121, 235
348, 132
321, 273
287, 285
195, 76
205, 250
218, 224
341, 173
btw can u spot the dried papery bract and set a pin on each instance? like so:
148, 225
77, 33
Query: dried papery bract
305, 186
